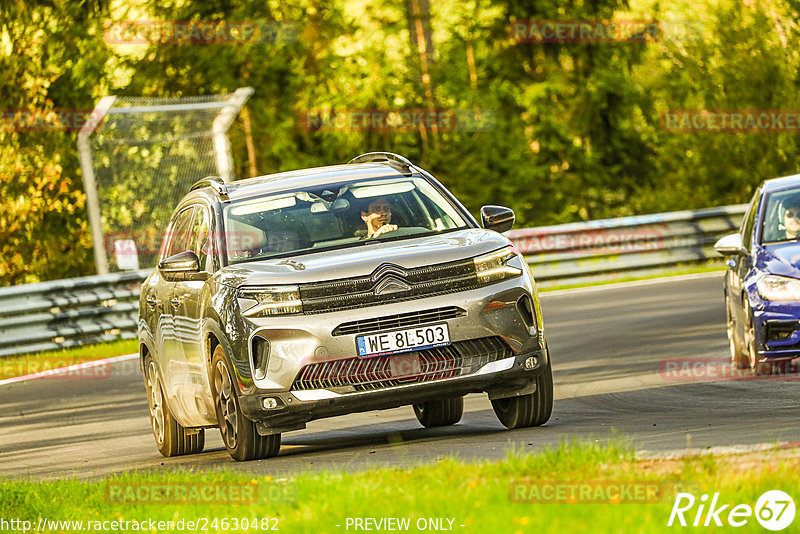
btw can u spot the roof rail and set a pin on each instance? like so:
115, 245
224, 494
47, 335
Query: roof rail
396, 161
212, 181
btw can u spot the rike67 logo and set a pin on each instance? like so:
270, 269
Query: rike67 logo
774, 510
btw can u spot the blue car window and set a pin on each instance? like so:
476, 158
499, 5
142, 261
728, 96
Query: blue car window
749, 221
781, 217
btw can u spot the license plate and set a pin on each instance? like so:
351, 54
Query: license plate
408, 339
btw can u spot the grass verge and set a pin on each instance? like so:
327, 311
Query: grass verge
453, 495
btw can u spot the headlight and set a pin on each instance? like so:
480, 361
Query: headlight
773, 287
494, 267
270, 300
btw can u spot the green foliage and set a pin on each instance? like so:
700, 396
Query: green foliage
45, 65
575, 132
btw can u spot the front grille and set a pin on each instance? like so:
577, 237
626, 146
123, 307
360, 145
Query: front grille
360, 291
461, 358
399, 320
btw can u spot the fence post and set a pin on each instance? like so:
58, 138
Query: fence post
89, 185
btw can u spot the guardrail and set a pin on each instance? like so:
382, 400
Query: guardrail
583, 252
65, 313
91, 309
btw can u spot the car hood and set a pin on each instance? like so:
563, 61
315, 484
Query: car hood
363, 259
782, 259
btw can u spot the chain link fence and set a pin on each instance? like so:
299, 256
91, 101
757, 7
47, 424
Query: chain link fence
139, 156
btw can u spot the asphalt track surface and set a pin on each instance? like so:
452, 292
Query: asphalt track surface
618, 368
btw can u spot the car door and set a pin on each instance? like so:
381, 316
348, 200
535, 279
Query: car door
188, 314
166, 334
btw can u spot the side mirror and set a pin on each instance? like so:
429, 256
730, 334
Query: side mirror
497, 218
182, 266
731, 245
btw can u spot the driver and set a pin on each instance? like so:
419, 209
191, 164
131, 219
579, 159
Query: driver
791, 218
378, 217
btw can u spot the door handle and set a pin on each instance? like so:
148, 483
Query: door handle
175, 301
152, 303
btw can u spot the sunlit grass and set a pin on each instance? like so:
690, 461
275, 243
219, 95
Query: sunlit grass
476, 495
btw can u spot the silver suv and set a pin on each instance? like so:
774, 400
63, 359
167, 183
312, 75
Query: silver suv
286, 298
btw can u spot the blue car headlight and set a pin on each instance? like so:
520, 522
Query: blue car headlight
774, 287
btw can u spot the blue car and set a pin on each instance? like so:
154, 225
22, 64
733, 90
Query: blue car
762, 283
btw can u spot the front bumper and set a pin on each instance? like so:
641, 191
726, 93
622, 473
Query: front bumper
296, 342
503, 378
777, 329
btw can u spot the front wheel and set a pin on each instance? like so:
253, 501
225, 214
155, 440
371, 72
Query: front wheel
440, 412
528, 410
739, 358
757, 367
239, 433
172, 439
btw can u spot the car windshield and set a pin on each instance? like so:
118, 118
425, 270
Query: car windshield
334, 216
781, 217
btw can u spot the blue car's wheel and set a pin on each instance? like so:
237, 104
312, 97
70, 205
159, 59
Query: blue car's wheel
739, 358
758, 368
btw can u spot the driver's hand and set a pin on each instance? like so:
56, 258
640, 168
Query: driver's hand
385, 228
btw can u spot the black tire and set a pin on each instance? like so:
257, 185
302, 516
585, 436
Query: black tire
239, 433
756, 367
528, 410
739, 358
440, 412
171, 438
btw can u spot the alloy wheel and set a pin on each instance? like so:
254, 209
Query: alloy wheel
156, 402
227, 405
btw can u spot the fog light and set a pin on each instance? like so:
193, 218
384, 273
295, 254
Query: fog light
531, 363
269, 403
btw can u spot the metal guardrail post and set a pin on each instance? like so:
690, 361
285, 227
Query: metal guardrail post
89, 186
222, 145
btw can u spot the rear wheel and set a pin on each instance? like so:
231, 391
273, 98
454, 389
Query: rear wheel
528, 410
171, 438
739, 358
440, 412
239, 434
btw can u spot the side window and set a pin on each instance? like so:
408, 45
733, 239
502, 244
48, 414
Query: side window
750, 220
179, 233
200, 238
